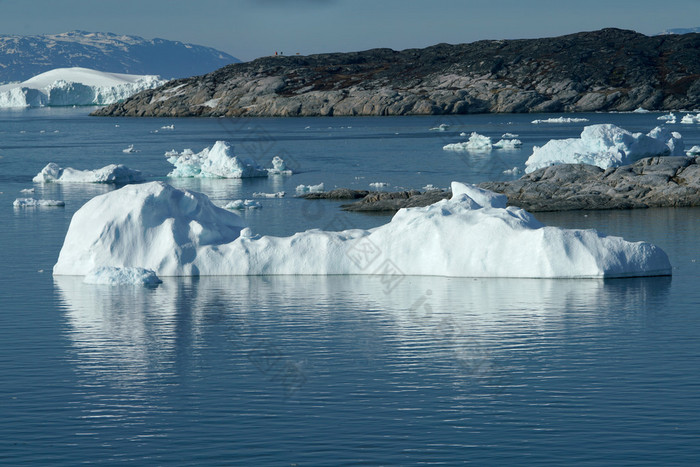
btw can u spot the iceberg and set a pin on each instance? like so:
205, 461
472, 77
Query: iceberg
694, 151
36, 203
301, 189
239, 204
176, 232
113, 173
378, 185
561, 120
669, 117
130, 149
479, 142
122, 276
690, 119
220, 162
606, 146
75, 86
279, 194
476, 142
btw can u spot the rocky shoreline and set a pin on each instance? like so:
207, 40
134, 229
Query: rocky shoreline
649, 182
605, 70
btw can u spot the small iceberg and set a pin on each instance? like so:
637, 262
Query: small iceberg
606, 146
693, 152
130, 150
378, 185
240, 205
112, 173
108, 275
509, 135
479, 142
177, 232
561, 120
668, 118
689, 119
279, 194
441, 127
302, 189
220, 162
37, 203
168, 127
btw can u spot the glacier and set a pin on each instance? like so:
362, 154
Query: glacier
606, 145
74, 86
176, 232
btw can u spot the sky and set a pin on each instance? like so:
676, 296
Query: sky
248, 29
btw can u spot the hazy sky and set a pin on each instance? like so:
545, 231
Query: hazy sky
251, 28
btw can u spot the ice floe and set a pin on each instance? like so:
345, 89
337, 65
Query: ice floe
441, 127
509, 135
378, 185
113, 173
561, 120
668, 118
37, 203
220, 162
74, 86
507, 144
177, 232
606, 146
108, 275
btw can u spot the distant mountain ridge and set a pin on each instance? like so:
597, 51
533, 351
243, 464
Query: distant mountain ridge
605, 70
22, 57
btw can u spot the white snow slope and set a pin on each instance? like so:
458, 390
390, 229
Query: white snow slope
74, 86
606, 146
180, 233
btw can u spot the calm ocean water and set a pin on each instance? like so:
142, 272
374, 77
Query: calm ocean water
336, 370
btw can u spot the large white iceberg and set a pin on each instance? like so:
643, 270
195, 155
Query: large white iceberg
75, 86
220, 162
113, 173
178, 233
606, 146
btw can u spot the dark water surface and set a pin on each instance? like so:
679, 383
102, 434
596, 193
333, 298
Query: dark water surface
336, 370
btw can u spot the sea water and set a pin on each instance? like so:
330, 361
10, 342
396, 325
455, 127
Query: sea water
335, 370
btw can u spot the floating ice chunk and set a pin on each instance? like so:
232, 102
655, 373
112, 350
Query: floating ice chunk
177, 232
37, 203
279, 167
508, 144
606, 146
640, 110
513, 171
301, 189
668, 117
690, 119
75, 86
108, 275
279, 194
561, 120
509, 135
130, 149
430, 187
112, 173
694, 151
379, 185
239, 205
476, 142
215, 162
441, 127
168, 127
27, 191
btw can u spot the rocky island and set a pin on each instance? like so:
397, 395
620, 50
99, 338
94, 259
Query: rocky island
605, 70
649, 182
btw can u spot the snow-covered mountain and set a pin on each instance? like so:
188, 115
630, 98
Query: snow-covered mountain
74, 86
22, 57
679, 31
